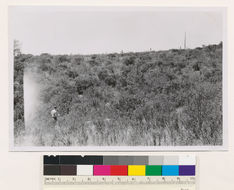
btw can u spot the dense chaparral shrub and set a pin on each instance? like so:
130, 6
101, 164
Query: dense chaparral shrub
152, 98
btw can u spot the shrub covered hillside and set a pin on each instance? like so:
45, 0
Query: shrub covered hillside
151, 98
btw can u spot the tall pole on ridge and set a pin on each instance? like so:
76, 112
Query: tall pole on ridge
185, 41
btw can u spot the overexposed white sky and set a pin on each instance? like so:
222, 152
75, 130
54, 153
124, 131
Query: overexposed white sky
88, 30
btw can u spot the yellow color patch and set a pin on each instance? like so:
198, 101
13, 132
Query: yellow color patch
136, 170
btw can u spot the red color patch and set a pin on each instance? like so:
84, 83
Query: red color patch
119, 170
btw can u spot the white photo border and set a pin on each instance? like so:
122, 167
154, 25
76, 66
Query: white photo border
190, 148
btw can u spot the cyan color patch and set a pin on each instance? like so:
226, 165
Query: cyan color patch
170, 170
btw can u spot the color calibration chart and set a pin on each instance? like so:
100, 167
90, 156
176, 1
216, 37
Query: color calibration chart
119, 172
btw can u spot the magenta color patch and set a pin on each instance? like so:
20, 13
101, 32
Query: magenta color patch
101, 170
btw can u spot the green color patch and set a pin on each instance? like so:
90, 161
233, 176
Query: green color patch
153, 170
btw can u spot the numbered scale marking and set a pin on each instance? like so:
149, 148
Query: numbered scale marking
115, 180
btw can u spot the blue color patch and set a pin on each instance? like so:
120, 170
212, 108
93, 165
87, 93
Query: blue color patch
170, 170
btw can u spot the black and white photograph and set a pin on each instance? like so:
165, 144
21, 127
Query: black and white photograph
117, 78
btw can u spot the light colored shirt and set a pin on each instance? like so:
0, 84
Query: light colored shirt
53, 113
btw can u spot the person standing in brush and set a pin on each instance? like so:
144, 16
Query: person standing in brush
54, 114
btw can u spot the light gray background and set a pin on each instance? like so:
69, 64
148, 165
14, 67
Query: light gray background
67, 30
